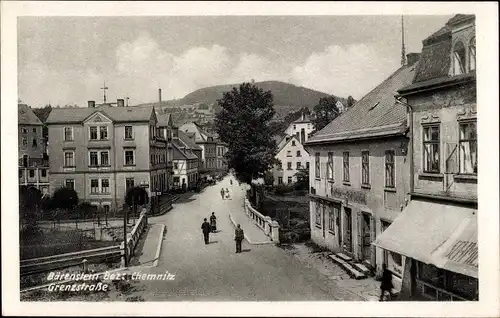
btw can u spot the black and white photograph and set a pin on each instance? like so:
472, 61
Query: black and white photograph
236, 155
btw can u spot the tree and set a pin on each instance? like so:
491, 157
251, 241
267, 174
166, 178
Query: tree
65, 199
350, 101
268, 178
29, 203
136, 196
244, 125
302, 176
324, 112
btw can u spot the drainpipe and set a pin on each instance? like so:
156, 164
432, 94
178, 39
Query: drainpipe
410, 151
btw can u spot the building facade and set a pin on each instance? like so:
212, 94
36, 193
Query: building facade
300, 128
101, 152
32, 152
437, 231
359, 175
293, 157
207, 143
221, 160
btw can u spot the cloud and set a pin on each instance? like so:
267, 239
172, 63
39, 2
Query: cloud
343, 71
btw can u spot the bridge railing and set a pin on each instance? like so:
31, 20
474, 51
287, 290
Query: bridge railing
265, 223
134, 236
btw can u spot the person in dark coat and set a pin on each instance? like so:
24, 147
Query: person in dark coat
213, 222
238, 237
205, 227
222, 193
386, 283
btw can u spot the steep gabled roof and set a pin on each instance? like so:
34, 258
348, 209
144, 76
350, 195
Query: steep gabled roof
188, 141
181, 154
117, 114
297, 143
164, 119
304, 118
376, 114
26, 116
200, 134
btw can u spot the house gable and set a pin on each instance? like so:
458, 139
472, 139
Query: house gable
99, 118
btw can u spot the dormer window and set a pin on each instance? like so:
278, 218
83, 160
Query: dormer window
459, 59
472, 54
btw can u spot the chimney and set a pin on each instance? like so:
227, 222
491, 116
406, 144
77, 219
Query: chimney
159, 94
412, 58
91, 104
120, 102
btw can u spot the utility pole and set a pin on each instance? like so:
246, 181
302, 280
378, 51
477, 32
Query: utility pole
104, 88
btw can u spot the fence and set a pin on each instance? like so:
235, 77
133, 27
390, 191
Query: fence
133, 237
265, 223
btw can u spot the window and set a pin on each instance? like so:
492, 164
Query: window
94, 185
331, 220
70, 183
280, 166
32, 173
298, 153
35, 143
389, 168
44, 173
103, 132
431, 149
68, 133
346, 166
93, 159
34, 130
318, 214
24, 130
459, 58
105, 185
289, 165
20, 173
69, 159
307, 165
129, 183
280, 180
316, 165
104, 158
128, 132
294, 127
468, 148
299, 165
129, 157
93, 133
290, 180
293, 142
25, 161
25, 142
329, 167
288, 153
472, 54
365, 167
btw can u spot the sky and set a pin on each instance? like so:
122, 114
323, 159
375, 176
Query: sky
66, 60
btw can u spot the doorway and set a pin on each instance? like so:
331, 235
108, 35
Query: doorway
348, 229
366, 237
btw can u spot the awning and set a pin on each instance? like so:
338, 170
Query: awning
433, 233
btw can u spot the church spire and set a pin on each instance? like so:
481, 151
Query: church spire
403, 53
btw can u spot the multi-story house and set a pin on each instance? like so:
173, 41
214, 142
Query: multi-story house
207, 143
292, 156
437, 231
221, 160
101, 152
185, 169
359, 175
33, 162
165, 130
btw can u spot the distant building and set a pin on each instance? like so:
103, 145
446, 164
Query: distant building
207, 143
221, 160
103, 151
32, 151
340, 106
300, 128
437, 231
359, 175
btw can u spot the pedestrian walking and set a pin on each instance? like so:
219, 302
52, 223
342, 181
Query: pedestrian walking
222, 194
213, 222
205, 227
227, 193
231, 182
238, 237
386, 283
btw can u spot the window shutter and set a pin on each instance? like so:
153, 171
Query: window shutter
451, 157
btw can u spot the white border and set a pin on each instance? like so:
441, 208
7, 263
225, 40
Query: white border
487, 66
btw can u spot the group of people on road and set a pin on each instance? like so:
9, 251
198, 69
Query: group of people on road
211, 227
224, 194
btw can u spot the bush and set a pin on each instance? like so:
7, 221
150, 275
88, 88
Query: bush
64, 198
283, 188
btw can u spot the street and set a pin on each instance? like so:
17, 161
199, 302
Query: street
215, 272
